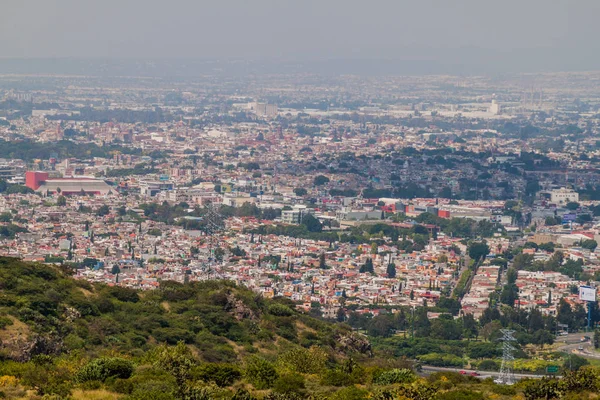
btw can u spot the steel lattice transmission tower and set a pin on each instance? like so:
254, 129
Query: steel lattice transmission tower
215, 223
214, 220
506, 374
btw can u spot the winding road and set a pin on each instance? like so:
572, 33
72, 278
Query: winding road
572, 344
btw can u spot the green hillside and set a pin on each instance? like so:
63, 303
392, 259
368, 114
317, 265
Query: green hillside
62, 338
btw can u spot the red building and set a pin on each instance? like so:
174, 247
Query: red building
34, 179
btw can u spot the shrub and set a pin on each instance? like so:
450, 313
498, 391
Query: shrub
101, 369
396, 375
488, 365
441, 360
461, 394
289, 383
8, 380
351, 393
220, 374
280, 310
5, 321
304, 361
123, 386
261, 373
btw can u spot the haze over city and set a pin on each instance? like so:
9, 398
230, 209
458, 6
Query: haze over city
430, 36
286, 200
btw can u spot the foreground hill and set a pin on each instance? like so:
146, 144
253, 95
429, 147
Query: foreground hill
64, 338
45, 311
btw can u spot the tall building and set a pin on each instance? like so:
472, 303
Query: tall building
264, 109
495, 108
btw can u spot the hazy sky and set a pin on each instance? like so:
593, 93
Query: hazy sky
442, 30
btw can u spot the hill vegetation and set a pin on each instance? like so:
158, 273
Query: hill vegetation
64, 338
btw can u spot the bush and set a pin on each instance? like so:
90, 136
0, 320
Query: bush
461, 394
101, 369
488, 365
395, 375
123, 386
5, 321
221, 375
289, 383
351, 393
261, 373
441, 360
304, 361
280, 310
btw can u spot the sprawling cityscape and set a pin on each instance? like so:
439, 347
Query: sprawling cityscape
263, 222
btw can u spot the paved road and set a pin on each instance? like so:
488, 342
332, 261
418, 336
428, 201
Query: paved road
484, 374
573, 344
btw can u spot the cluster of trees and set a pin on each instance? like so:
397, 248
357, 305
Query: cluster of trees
250, 210
11, 188
460, 227
410, 333
10, 230
557, 263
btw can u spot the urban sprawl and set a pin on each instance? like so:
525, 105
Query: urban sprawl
345, 195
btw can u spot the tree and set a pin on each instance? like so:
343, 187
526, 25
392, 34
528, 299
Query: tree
564, 313
589, 244
391, 270
545, 388
61, 201
312, 224
261, 373
542, 337
490, 329
340, 315
177, 361
576, 362
549, 247
572, 205
300, 192
367, 266
322, 263
509, 294
478, 250
444, 327
219, 253
115, 269
103, 210
422, 324
374, 248
320, 180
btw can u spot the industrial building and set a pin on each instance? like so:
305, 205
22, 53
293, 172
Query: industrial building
42, 183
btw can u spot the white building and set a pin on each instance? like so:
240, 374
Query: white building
295, 215
563, 196
495, 108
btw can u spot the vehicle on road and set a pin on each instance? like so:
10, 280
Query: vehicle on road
463, 372
475, 373
580, 348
